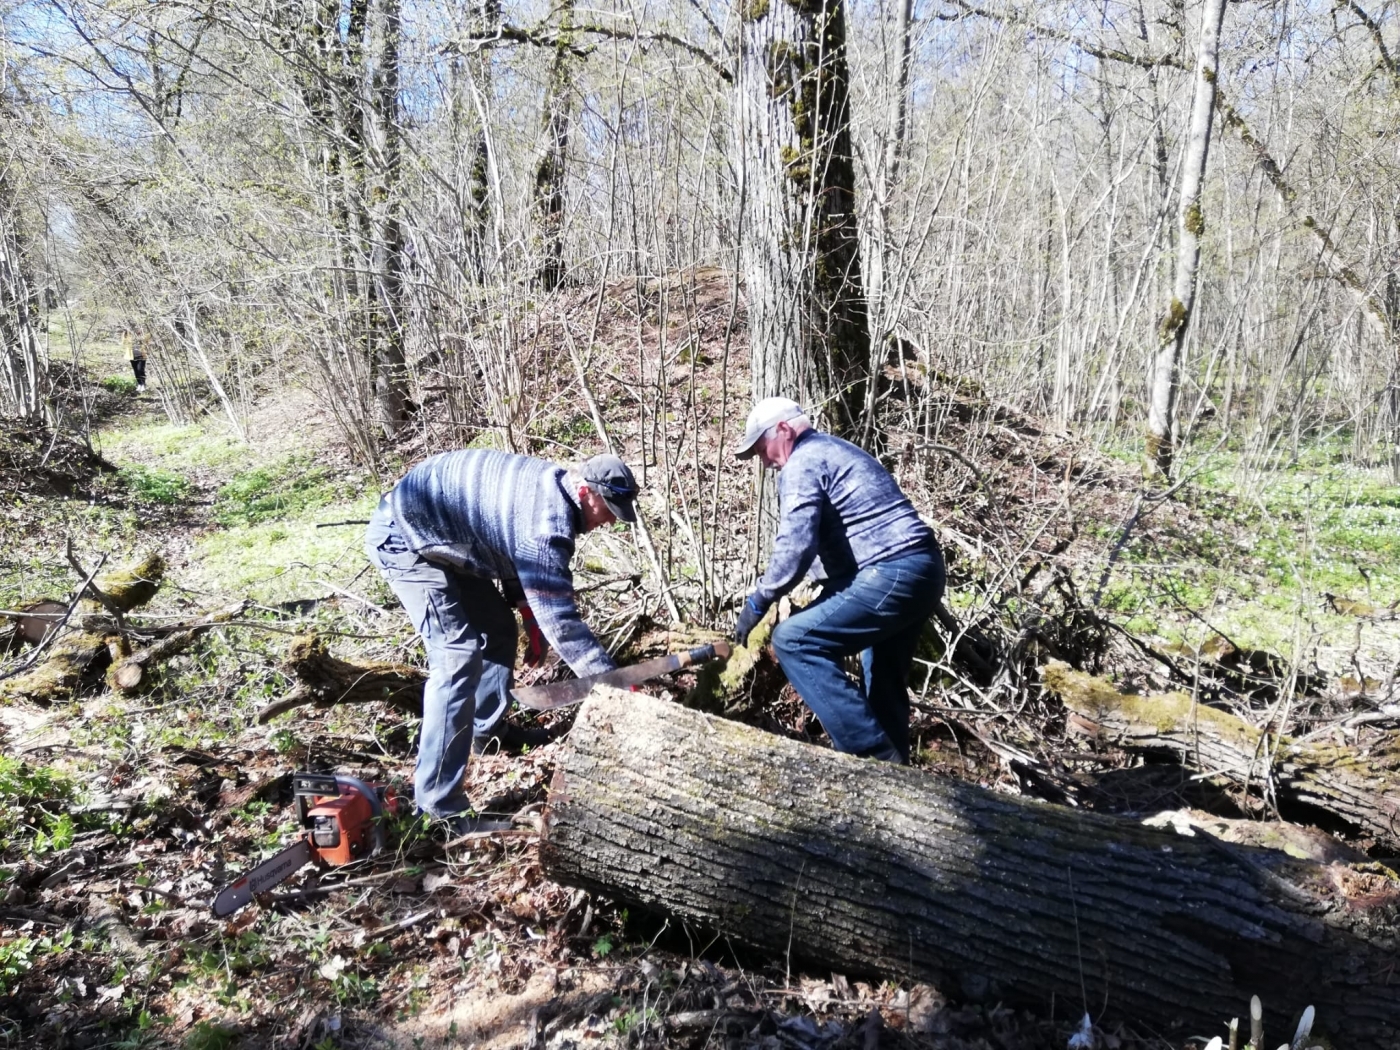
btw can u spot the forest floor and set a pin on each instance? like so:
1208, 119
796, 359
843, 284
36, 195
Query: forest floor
121, 816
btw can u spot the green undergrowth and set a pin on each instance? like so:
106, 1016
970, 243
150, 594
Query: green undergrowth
265, 506
1264, 556
155, 484
285, 558
275, 491
33, 806
180, 448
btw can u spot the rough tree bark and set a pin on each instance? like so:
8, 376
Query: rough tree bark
1171, 333
861, 866
1360, 785
808, 317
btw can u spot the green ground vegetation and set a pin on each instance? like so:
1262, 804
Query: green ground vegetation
1260, 556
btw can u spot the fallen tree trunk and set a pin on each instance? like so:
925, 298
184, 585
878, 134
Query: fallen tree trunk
75, 656
325, 680
1362, 786
128, 672
861, 866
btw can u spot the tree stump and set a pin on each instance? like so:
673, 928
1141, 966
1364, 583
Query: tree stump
1360, 786
861, 866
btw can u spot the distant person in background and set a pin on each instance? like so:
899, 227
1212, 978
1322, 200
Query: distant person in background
451, 529
843, 518
136, 354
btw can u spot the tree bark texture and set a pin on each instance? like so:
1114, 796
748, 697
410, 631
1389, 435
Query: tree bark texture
1359, 784
1171, 333
808, 318
866, 867
384, 201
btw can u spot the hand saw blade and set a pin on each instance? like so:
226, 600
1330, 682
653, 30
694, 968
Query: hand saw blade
269, 873
561, 694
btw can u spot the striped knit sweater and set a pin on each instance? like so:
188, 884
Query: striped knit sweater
509, 518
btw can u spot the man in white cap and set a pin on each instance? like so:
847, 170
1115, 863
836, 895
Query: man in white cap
843, 518
454, 526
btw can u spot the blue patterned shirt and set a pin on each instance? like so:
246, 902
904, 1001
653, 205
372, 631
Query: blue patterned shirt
509, 518
840, 511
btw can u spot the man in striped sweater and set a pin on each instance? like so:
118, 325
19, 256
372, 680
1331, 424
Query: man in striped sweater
455, 526
844, 520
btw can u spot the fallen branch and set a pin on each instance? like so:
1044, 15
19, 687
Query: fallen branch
325, 680
1360, 786
129, 672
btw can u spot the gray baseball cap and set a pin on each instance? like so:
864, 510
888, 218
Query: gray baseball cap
610, 478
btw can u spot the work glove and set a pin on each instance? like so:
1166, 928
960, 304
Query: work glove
535, 645
749, 615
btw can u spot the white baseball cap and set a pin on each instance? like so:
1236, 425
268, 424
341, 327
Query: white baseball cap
765, 414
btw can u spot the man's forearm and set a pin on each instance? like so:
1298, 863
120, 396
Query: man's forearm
571, 638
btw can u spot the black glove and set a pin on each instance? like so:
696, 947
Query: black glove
749, 616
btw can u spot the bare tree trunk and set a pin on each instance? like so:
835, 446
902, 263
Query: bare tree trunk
383, 200
808, 319
1171, 333
549, 173
843, 862
882, 256
24, 379
476, 227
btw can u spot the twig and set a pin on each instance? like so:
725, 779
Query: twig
97, 592
478, 836
403, 924
353, 596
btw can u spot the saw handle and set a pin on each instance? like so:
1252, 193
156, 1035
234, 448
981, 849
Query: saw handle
703, 654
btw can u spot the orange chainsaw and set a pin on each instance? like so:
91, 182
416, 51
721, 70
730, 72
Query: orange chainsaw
340, 821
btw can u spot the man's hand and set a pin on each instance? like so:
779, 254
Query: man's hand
749, 616
535, 645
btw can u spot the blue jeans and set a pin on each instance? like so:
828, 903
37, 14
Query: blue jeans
880, 613
469, 633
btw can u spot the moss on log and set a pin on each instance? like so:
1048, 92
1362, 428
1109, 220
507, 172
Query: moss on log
75, 657
1359, 784
865, 867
